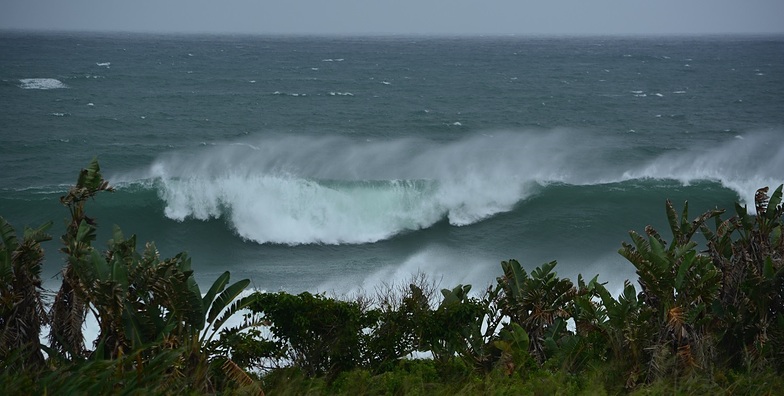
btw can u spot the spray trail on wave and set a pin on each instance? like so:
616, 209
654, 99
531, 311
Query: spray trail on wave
742, 164
302, 190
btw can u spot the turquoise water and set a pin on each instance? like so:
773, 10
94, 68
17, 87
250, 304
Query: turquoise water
339, 163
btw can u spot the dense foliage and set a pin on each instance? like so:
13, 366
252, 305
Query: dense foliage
703, 321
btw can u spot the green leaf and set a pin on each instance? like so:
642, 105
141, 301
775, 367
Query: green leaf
10, 244
225, 298
688, 259
216, 288
85, 233
767, 270
773, 204
38, 235
235, 307
685, 225
99, 266
658, 256
133, 329
672, 218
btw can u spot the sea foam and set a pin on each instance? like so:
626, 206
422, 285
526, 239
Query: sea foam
295, 190
330, 190
742, 164
41, 83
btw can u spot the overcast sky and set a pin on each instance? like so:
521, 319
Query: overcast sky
464, 17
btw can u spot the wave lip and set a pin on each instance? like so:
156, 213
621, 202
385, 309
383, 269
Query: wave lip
287, 210
328, 190
41, 83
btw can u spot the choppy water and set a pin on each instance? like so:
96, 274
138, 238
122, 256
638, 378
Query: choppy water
337, 163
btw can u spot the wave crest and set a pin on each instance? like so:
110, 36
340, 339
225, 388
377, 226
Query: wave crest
303, 190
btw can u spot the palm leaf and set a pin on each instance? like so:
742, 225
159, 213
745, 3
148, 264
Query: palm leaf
225, 298
216, 288
8, 236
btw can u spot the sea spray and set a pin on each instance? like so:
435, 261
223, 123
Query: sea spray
295, 190
743, 164
330, 190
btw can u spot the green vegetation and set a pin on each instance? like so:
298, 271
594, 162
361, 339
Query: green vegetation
703, 321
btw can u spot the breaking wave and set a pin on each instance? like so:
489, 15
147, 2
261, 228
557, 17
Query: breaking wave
329, 190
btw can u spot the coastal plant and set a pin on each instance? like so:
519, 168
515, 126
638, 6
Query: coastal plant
679, 285
537, 302
397, 319
450, 328
320, 335
749, 251
70, 304
22, 310
143, 304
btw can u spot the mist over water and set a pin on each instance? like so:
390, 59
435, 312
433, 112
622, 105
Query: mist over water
335, 190
339, 164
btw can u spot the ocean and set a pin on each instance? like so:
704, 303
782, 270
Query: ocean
338, 164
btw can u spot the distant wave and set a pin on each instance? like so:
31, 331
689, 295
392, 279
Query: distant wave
329, 190
41, 83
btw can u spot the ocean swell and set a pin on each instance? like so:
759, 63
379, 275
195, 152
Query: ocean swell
331, 190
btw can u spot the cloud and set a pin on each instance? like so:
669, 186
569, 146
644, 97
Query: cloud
565, 17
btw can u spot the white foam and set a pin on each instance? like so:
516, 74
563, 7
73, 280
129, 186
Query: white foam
104, 64
301, 190
41, 83
295, 190
289, 94
742, 164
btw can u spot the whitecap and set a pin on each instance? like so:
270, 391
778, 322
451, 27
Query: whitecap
679, 92
659, 95
91, 104
386, 82
41, 83
303, 190
457, 123
103, 64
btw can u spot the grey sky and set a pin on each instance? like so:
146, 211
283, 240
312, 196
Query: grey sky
553, 17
